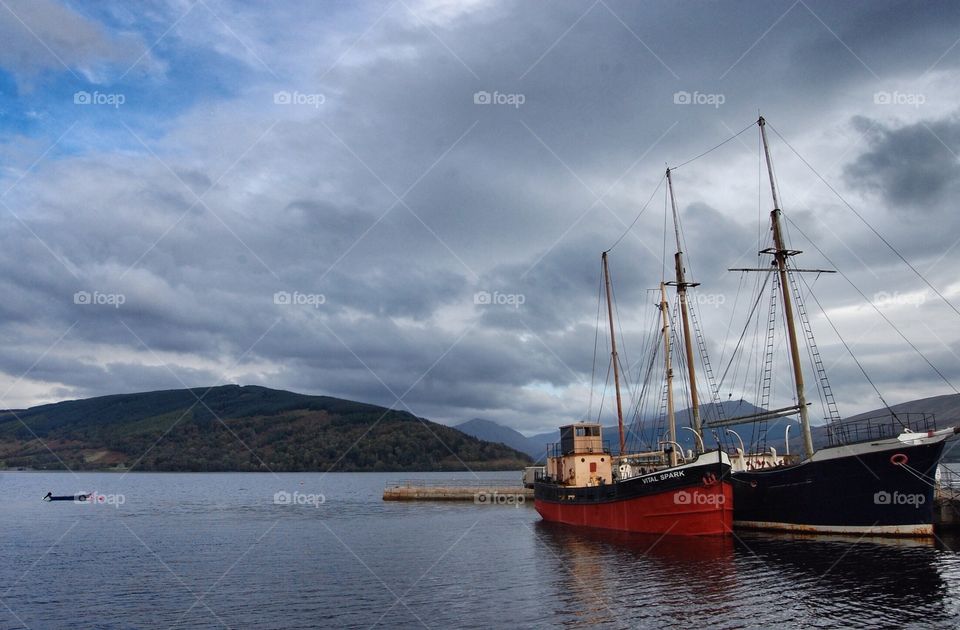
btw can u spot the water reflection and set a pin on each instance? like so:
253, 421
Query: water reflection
613, 577
750, 580
897, 581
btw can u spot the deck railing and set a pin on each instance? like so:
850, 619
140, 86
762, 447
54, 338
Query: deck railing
878, 427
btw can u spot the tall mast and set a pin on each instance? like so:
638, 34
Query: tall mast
781, 254
613, 351
671, 420
685, 317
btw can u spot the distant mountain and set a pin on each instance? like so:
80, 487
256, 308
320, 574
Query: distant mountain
536, 445
238, 428
946, 409
492, 432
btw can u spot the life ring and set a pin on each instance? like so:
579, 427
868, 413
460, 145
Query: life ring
899, 459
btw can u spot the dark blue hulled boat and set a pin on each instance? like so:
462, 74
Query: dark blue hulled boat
76, 498
875, 476
877, 486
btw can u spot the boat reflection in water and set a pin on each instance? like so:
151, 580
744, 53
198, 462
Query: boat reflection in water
614, 577
625, 579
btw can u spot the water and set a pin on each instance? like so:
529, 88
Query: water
213, 550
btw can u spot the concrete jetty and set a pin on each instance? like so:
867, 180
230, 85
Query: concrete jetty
946, 501
482, 492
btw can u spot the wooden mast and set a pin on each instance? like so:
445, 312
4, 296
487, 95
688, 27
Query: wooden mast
781, 254
682, 285
613, 351
671, 420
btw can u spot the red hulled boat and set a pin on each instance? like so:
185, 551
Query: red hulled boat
578, 487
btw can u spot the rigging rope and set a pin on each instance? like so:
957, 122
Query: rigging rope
664, 176
596, 341
639, 214
864, 221
694, 159
852, 355
879, 312
743, 334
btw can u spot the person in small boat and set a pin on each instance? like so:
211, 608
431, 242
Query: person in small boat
49, 496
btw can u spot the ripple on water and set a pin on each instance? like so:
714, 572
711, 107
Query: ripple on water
356, 560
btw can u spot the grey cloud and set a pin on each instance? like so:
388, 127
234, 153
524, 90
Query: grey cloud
42, 35
912, 166
302, 212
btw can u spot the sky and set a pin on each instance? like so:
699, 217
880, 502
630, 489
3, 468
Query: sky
405, 202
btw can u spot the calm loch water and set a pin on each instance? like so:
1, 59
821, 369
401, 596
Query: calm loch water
216, 550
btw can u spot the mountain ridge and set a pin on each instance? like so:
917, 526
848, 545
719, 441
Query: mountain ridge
946, 409
237, 428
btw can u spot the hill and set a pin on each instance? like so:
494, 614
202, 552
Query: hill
945, 408
492, 432
238, 428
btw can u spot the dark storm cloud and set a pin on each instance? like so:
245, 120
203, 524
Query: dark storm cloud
912, 166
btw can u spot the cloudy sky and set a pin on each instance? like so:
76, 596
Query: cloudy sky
319, 196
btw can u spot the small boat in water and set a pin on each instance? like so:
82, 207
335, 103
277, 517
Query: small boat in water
76, 498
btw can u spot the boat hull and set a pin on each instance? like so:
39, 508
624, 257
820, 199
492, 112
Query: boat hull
691, 500
878, 489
